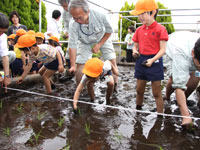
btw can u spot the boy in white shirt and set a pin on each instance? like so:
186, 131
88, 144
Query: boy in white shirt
6, 57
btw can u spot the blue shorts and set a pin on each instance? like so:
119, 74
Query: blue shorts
54, 64
153, 73
34, 67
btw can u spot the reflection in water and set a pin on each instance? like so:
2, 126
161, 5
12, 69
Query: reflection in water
34, 121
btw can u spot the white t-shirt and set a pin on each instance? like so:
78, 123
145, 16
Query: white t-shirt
3, 45
54, 28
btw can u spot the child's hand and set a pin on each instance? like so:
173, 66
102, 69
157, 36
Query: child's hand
149, 62
135, 54
20, 80
60, 68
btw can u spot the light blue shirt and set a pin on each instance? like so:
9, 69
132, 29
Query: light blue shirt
91, 33
179, 50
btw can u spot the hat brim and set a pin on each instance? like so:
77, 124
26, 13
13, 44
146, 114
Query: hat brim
18, 46
136, 12
40, 37
91, 74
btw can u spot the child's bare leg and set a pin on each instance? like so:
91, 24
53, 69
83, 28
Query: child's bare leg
90, 88
169, 89
156, 89
140, 92
42, 70
46, 78
110, 88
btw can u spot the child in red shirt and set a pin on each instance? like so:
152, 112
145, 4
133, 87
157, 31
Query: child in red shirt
149, 44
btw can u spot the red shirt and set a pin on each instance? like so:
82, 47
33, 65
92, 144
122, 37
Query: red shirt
149, 37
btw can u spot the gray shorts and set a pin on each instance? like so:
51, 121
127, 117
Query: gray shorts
84, 52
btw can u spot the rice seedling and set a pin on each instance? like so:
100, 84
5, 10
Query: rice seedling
87, 128
36, 138
20, 108
117, 136
6, 131
67, 147
40, 115
61, 121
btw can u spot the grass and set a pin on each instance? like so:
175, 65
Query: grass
87, 128
6, 131
20, 108
61, 121
40, 115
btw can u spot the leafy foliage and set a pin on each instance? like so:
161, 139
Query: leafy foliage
28, 11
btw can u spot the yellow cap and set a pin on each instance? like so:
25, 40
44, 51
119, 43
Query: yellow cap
93, 67
12, 36
144, 6
39, 35
26, 40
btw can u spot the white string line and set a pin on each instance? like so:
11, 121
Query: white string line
108, 106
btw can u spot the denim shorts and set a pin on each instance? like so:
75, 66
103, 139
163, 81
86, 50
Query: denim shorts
153, 73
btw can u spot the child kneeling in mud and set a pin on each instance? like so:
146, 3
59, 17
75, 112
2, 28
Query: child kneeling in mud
93, 70
47, 54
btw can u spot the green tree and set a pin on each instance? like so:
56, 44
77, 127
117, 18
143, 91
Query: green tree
28, 11
126, 23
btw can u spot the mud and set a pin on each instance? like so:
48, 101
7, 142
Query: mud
42, 123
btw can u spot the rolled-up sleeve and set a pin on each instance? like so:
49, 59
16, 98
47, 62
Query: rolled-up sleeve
3, 45
180, 71
73, 34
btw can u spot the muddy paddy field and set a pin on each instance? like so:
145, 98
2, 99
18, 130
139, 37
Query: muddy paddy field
39, 122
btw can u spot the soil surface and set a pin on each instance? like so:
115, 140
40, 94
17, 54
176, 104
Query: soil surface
42, 122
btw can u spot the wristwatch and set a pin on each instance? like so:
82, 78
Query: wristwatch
7, 76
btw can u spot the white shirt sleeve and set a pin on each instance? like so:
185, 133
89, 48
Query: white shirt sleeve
3, 45
84, 79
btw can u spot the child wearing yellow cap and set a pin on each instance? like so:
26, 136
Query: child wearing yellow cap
47, 54
17, 67
95, 69
39, 38
11, 41
149, 44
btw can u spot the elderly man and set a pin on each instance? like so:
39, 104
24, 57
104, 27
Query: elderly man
6, 56
183, 59
89, 32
